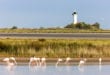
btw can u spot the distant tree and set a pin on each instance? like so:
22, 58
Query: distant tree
80, 25
14, 27
41, 28
70, 26
96, 25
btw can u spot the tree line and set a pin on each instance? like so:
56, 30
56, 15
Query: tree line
83, 25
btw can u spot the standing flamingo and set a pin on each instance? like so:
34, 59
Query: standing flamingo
58, 61
34, 61
100, 61
82, 62
67, 60
43, 61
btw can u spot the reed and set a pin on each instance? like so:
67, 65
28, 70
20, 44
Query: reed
55, 47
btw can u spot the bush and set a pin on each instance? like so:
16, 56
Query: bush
83, 25
14, 27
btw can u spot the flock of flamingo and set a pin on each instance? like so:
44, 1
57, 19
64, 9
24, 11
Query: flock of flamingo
11, 62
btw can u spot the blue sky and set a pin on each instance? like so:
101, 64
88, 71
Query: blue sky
53, 13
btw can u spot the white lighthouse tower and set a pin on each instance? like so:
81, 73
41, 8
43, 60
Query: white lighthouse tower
75, 17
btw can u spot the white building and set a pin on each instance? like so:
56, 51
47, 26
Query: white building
75, 17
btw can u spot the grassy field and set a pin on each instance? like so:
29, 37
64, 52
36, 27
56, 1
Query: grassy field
51, 30
52, 48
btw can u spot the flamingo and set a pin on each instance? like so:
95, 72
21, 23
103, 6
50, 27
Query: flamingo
67, 60
34, 61
58, 61
43, 61
11, 62
82, 62
100, 61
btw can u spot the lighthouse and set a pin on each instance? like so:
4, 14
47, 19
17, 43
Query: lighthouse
75, 17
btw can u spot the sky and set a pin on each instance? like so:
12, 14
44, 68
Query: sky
53, 13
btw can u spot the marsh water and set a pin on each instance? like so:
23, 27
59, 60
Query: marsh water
56, 70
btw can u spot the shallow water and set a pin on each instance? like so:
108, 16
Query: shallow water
53, 70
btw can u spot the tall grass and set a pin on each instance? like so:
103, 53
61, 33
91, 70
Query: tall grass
54, 47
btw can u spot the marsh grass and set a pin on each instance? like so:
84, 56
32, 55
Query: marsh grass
55, 48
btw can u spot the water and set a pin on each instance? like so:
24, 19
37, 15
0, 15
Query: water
53, 70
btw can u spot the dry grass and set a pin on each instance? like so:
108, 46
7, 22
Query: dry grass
55, 48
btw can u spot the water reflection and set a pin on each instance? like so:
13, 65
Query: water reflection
10, 68
100, 67
68, 68
81, 68
37, 68
59, 70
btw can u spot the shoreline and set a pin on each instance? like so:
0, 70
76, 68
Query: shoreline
73, 61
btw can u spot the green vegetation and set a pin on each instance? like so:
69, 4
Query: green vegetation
54, 48
53, 30
83, 25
